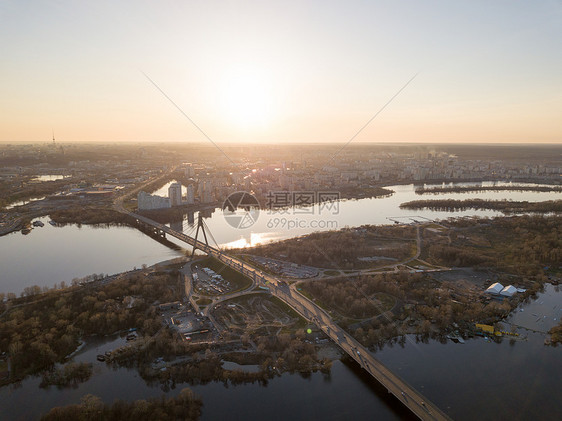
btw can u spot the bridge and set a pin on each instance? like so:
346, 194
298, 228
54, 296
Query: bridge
405, 393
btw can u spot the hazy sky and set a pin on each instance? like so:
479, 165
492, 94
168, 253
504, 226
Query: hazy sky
489, 71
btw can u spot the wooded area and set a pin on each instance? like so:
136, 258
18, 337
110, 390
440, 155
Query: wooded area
521, 245
342, 249
467, 189
184, 406
506, 206
39, 331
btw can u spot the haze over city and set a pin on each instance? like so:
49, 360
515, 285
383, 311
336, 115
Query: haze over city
281, 72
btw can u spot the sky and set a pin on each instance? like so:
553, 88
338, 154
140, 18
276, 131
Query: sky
281, 71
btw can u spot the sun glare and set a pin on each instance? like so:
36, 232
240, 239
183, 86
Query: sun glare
246, 99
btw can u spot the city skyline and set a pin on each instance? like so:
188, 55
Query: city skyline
310, 72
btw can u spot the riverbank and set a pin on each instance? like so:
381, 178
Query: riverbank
468, 189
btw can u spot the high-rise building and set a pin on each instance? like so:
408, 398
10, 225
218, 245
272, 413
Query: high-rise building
190, 195
147, 201
189, 171
207, 196
174, 193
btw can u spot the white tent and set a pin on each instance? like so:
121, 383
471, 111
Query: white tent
508, 291
494, 289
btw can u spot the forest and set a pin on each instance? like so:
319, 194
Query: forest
41, 329
506, 206
69, 375
528, 248
520, 245
422, 305
274, 354
184, 406
341, 249
90, 215
467, 189
353, 299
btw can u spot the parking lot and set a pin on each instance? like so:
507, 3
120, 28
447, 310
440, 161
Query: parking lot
285, 269
206, 281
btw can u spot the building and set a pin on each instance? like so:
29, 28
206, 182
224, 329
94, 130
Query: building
146, 201
190, 195
189, 171
508, 291
494, 289
174, 193
207, 192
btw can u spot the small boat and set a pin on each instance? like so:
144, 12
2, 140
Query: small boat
26, 231
456, 339
101, 357
38, 224
53, 223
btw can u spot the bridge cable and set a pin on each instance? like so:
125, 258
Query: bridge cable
190, 231
211, 234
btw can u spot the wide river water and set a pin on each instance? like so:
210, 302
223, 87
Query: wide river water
273, 226
49, 255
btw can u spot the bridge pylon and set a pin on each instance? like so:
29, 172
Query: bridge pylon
202, 226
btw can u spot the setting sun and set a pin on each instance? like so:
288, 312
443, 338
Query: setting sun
246, 99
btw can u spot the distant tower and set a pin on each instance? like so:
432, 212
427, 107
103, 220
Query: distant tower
54, 143
207, 192
174, 193
189, 171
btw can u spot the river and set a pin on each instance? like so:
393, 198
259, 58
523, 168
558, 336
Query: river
49, 254
274, 226
54, 254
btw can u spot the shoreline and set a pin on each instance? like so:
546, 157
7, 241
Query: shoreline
19, 223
